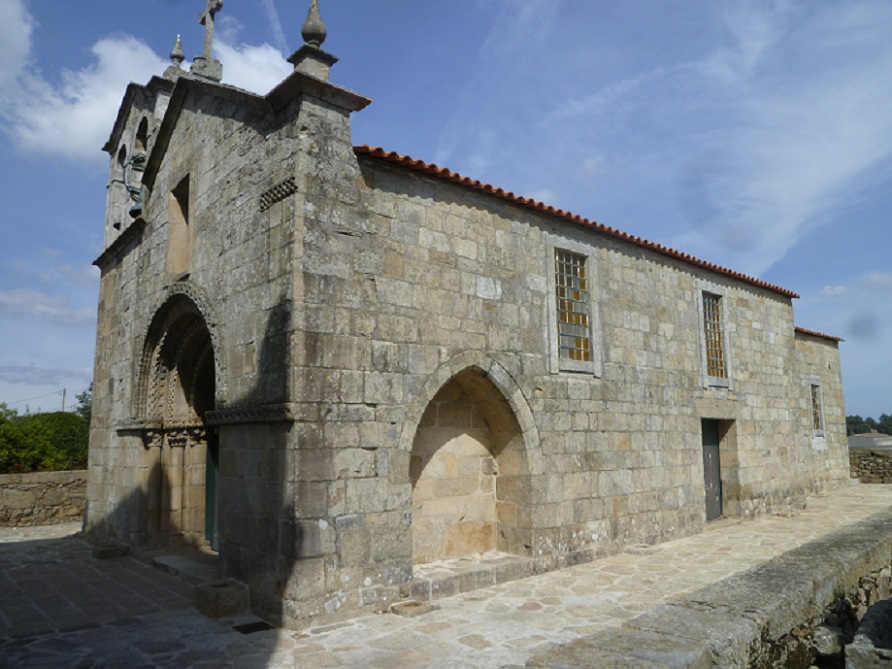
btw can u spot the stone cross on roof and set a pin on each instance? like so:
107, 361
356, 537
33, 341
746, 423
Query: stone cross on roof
206, 18
205, 65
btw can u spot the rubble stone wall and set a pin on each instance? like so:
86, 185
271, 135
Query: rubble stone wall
871, 466
43, 498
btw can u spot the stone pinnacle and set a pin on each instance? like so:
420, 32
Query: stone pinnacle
313, 30
176, 55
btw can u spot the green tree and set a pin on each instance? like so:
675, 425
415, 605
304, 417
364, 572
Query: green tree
84, 407
6, 414
856, 425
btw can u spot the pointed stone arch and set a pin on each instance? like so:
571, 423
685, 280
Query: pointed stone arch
470, 463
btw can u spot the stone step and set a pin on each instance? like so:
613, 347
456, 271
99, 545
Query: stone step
195, 569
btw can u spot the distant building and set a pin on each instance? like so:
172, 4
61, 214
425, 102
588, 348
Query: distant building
872, 439
336, 363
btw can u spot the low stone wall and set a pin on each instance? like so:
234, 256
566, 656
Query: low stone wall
872, 647
778, 615
44, 498
869, 466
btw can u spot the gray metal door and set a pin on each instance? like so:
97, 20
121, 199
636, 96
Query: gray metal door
712, 470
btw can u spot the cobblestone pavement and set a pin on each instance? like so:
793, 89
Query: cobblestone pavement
61, 608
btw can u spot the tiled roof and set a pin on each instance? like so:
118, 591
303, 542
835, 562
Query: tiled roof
818, 334
445, 174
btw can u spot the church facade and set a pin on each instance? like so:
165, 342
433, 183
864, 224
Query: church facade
339, 366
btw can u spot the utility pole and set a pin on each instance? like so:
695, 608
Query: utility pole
64, 390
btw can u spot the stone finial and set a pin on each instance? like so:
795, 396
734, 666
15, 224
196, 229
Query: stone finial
176, 55
310, 58
313, 30
175, 70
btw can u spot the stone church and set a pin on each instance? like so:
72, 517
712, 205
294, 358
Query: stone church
361, 378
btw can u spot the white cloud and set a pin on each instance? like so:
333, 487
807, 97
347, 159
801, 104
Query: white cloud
801, 141
72, 120
881, 281
519, 26
605, 98
16, 25
53, 308
833, 292
258, 69
544, 195
50, 268
517, 29
39, 376
276, 24
781, 118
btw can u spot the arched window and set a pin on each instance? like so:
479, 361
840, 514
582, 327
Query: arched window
142, 137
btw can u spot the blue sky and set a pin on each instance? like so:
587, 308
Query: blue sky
756, 135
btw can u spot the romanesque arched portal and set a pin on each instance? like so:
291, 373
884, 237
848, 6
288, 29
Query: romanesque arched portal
177, 390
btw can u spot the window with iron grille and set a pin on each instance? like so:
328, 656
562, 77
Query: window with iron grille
571, 290
817, 415
712, 329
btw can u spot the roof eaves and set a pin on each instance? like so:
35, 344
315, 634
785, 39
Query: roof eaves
445, 174
821, 335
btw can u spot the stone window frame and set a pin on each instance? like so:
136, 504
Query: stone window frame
180, 229
709, 288
815, 400
557, 364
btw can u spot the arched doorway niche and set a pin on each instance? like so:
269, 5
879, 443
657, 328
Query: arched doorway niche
180, 460
469, 473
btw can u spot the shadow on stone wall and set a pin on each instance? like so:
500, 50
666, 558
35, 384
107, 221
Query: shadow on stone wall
260, 539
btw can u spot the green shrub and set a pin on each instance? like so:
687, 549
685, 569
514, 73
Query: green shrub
42, 442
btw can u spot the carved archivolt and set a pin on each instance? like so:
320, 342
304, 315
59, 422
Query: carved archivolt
180, 356
177, 373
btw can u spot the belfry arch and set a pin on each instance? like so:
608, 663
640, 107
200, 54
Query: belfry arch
470, 473
177, 389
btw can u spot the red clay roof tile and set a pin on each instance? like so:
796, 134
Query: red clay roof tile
818, 334
448, 175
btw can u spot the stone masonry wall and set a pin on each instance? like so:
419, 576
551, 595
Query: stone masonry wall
338, 316
238, 277
825, 456
422, 281
871, 466
43, 498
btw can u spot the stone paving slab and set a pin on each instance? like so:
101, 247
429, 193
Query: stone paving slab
493, 628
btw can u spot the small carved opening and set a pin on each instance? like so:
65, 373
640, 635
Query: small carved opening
179, 234
142, 137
